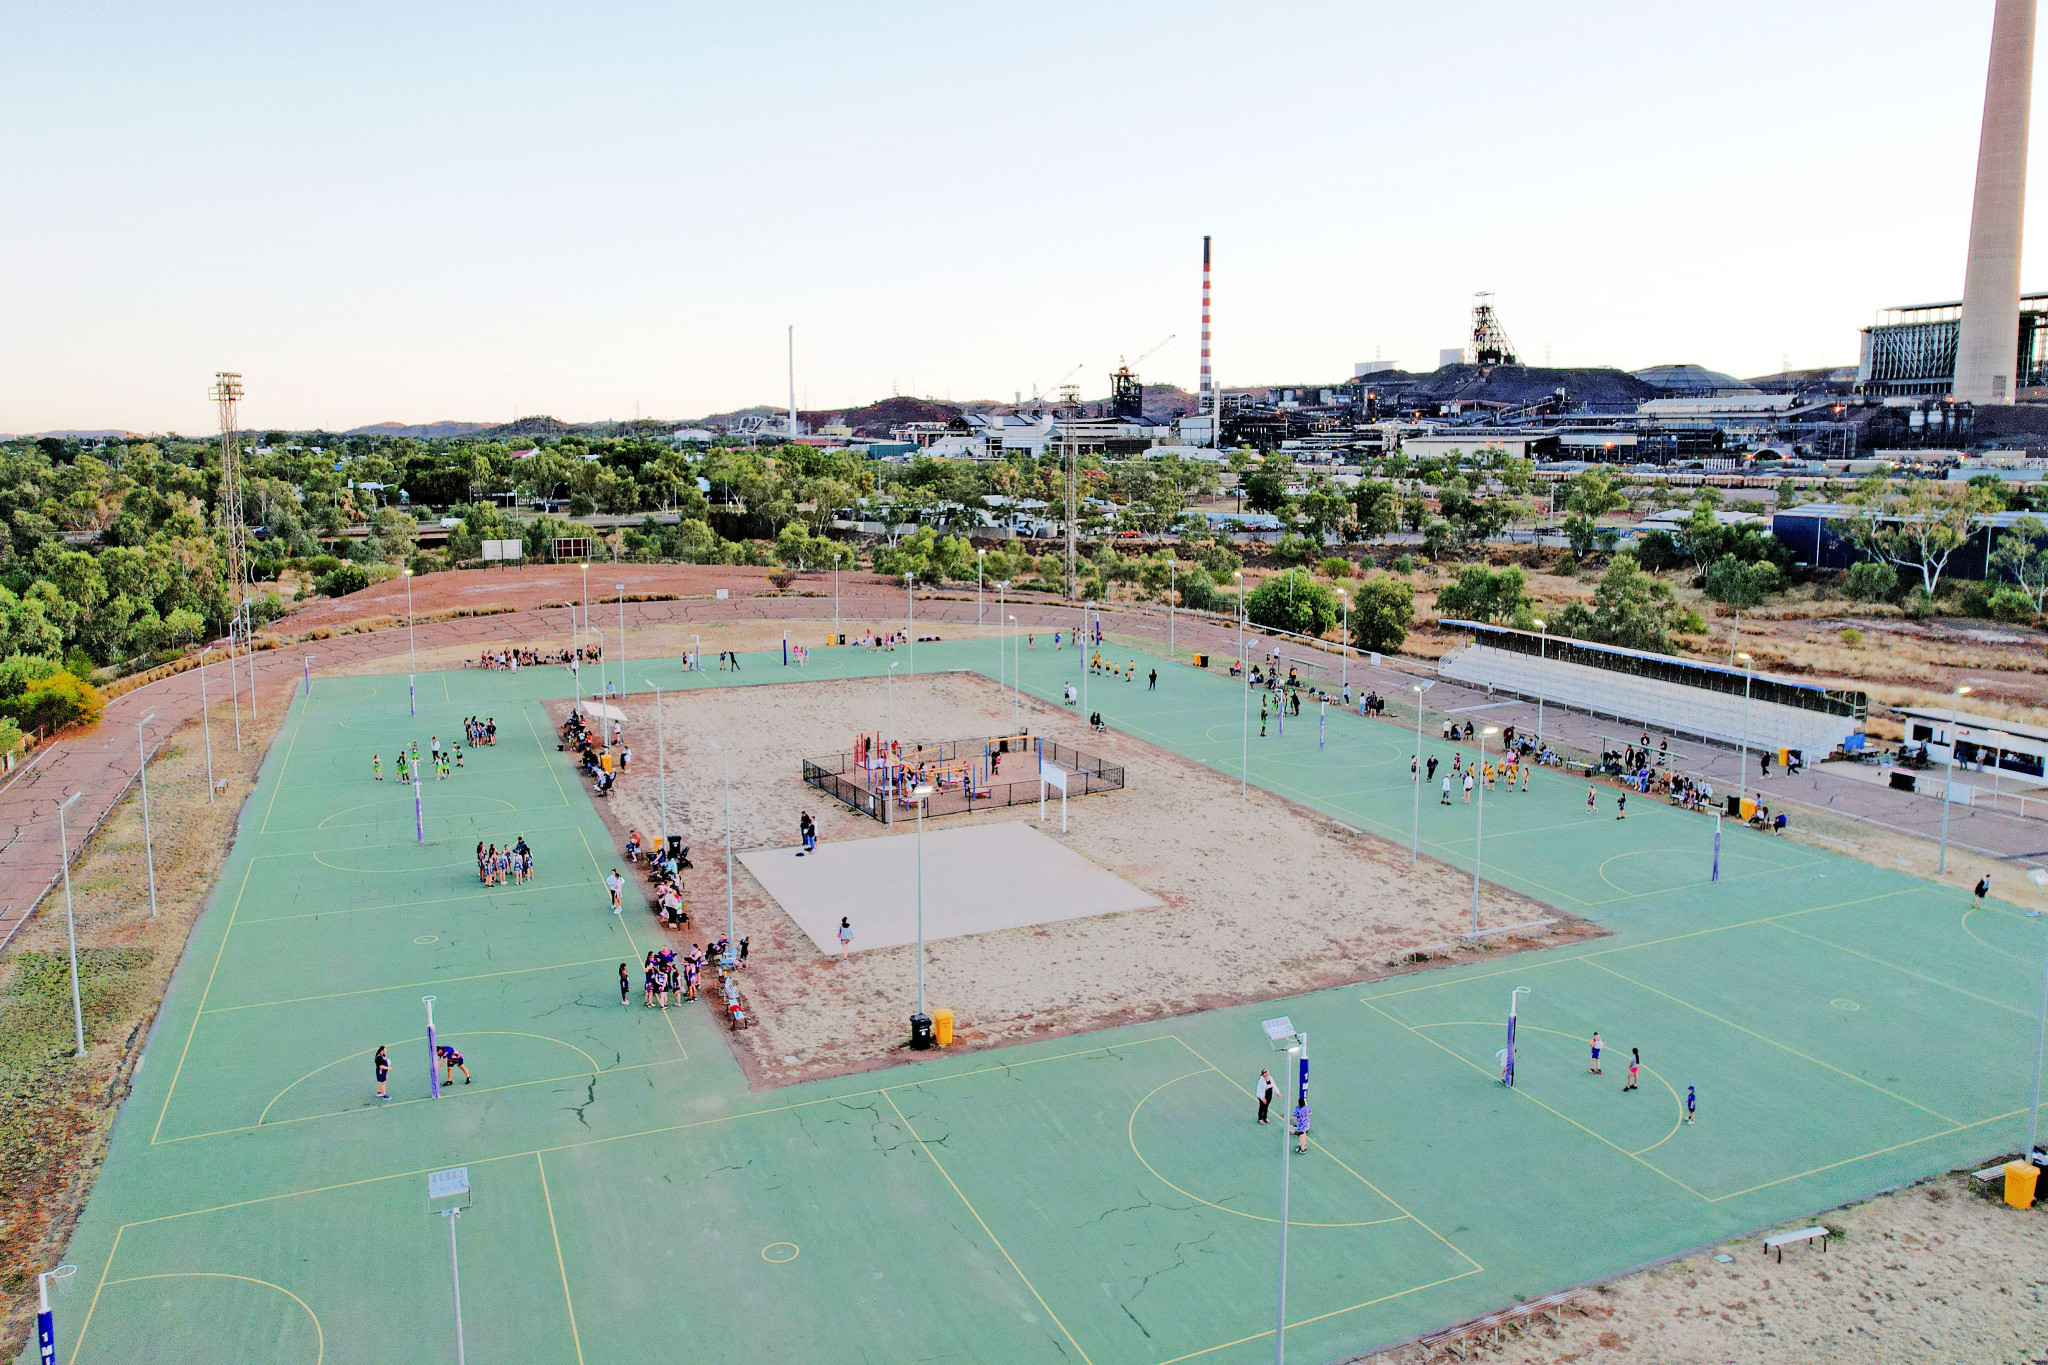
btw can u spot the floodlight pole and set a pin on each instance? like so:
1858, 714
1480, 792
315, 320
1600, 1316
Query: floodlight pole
412, 663
455, 1276
1955, 701
1286, 1154
922, 795
206, 723
660, 764
1244, 674
2040, 1045
142, 776
980, 562
70, 924
910, 589
725, 768
1415, 835
1742, 766
622, 643
1478, 829
1542, 659
234, 688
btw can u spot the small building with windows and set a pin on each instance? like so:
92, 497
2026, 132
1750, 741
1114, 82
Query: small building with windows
1981, 743
1660, 691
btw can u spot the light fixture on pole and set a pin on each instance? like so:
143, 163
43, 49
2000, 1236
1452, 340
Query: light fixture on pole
1742, 764
70, 924
622, 637
731, 954
1955, 701
412, 663
910, 591
142, 777
206, 723
1542, 658
1415, 836
660, 764
1244, 673
442, 1185
1479, 827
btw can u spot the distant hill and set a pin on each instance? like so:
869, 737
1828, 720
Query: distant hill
417, 430
106, 434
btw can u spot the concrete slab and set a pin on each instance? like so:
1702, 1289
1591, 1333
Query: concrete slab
976, 881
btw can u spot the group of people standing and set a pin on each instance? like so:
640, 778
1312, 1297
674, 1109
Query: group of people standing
495, 866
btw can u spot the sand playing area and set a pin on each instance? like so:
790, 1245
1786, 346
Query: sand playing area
1256, 897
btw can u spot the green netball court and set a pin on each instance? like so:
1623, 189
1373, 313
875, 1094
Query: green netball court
1100, 1198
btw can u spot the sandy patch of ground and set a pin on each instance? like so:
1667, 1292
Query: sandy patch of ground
1319, 907
1939, 1271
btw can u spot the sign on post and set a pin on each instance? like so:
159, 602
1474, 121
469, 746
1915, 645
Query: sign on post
503, 549
1051, 775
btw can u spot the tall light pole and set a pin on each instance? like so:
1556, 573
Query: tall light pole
697, 650
412, 663
621, 587
660, 764
910, 592
1172, 597
1742, 768
2040, 1046
1542, 659
1286, 1154
920, 795
234, 688
1955, 701
1244, 673
1016, 680
142, 776
1479, 827
70, 924
1344, 643
725, 769
604, 724
1415, 837
206, 723
980, 563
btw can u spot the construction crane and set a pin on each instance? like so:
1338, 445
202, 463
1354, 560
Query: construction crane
1038, 391
1126, 393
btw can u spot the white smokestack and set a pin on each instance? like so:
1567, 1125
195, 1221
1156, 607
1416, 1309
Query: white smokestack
1987, 347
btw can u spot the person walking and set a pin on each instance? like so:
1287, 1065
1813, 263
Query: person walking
1592, 799
807, 831
1692, 1102
1264, 1091
1635, 1067
1301, 1118
845, 935
1262, 717
615, 884
625, 985
383, 1065
1594, 1069
1983, 889
1432, 767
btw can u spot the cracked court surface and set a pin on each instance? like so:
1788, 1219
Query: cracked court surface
1102, 1197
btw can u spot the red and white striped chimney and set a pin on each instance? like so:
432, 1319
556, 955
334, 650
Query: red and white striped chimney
1206, 404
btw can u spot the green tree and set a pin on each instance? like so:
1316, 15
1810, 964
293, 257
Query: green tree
1382, 613
1292, 601
1377, 507
1265, 488
1593, 493
345, 580
1485, 594
1630, 608
1871, 581
2021, 555
1742, 585
1918, 527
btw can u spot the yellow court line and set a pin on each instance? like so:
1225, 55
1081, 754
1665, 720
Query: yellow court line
631, 942
464, 1093
1852, 1160
319, 1336
403, 986
1334, 1157
85, 1323
527, 712
1908, 971
278, 786
445, 796
1131, 1135
988, 1230
1669, 1088
575, 1336
1322, 1317
419, 1038
1783, 1047
1986, 942
409, 905
226, 930
1589, 1132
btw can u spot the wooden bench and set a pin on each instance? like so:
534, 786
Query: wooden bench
1455, 1338
1779, 1241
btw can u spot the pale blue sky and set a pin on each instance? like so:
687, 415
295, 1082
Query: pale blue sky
430, 211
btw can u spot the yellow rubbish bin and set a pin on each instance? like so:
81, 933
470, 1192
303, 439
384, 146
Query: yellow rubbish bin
942, 1025
1201, 661
2020, 1177
1748, 807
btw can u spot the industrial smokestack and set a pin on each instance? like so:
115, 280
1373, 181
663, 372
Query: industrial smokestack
1206, 396
1987, 346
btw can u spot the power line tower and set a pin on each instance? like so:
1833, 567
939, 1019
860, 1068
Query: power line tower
227, 395
1490, 344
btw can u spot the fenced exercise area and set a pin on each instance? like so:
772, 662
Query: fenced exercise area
1106, 1198
877, 776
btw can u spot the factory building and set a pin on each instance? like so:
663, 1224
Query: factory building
1911, 352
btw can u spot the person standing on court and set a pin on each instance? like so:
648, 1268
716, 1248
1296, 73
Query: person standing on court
384, 1073
1594, 1069
615, 884
1264, 1090
1635, 1066
1301, 1117
1692, 1103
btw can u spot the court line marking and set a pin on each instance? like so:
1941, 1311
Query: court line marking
277, 785
319, 1336
1589, 1132
1908, 971
1676, 1123
1321, 1317
1317, 1144
1865, 1156
936, 1165
1130, 1134
404, 986
631, 942
350, 810
227, 930
463, 1093
467, 1033
409, 905
575, 1336
1784, 1047
527, 712
2002, 952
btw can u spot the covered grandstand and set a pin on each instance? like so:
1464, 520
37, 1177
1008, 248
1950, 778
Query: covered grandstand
1670, 695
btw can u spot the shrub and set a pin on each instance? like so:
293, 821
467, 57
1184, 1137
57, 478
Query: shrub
1336, 566
1742, 585
344, 580
1919, 603
1294, 602
782, 578
1294, 549
1220, 560
319, 566
1404, 564
1871, 581
1382, 614
1198, 593
1438, 539
1853, 638
1658, 551
1484, 594
2012, 604
56, 701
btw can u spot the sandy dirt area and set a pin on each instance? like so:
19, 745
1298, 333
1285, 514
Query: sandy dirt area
1324, 907
1937, 1272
